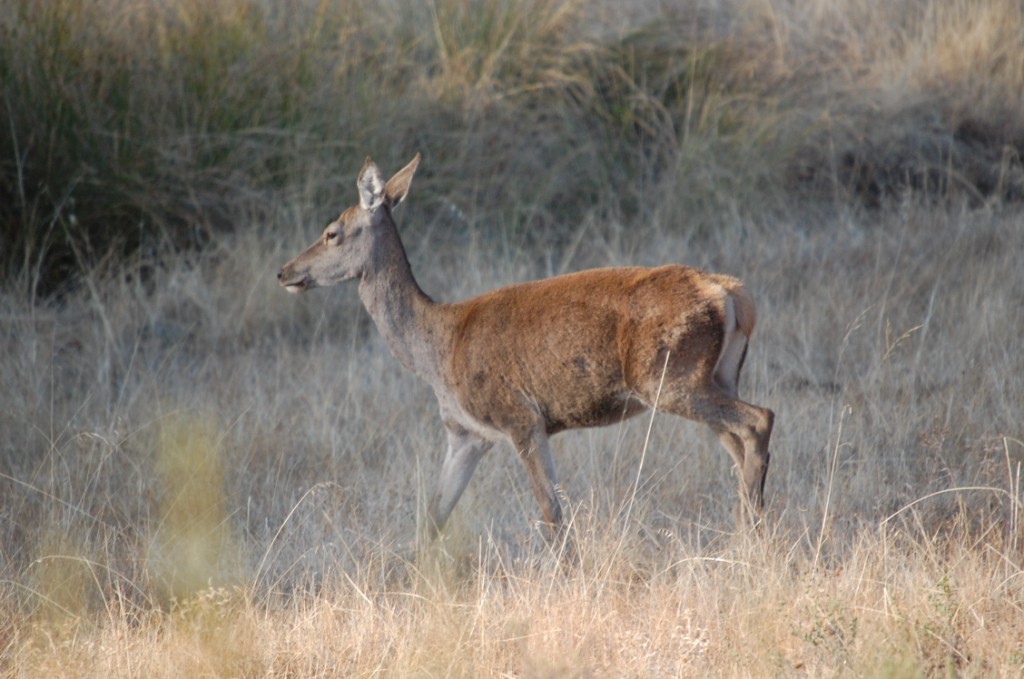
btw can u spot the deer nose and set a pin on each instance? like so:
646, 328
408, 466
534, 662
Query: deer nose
279, 274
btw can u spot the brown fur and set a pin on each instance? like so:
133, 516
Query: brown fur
550, 346
527, 361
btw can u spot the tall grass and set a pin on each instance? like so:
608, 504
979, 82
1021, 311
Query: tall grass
133, 123
277, 536
202, 475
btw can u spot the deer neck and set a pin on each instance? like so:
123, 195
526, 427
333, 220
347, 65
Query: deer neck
405, 316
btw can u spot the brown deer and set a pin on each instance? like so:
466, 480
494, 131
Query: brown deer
527, 361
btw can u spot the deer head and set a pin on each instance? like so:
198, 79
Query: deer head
346, 246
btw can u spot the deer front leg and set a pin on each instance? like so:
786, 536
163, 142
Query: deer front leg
535, 452
464, 452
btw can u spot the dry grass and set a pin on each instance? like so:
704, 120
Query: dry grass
132, 124
273, 535
203, 476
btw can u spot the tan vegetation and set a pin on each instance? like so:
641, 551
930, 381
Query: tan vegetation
203, 476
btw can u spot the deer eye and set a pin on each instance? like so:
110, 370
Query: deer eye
330, 235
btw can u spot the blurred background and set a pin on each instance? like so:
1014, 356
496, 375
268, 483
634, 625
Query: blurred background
171, 421
133, 127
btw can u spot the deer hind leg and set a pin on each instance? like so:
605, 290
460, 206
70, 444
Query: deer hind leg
743, 429
746, 437
747, 428
464, 453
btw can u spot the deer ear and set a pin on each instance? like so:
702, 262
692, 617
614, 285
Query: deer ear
370, 185
398, 186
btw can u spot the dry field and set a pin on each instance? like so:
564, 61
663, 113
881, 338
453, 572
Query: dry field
201, 475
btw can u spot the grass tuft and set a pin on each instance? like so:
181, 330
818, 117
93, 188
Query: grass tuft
191, 543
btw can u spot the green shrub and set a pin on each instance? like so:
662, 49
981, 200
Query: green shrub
131, 124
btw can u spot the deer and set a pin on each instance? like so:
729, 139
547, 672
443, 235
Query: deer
524, 362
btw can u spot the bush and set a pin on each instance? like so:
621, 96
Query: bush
132, 124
